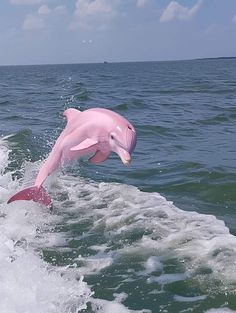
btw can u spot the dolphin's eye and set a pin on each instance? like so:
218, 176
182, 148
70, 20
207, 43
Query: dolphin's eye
129, 127
112, 137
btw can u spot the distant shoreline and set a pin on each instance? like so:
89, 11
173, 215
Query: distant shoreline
113, 62
216, 58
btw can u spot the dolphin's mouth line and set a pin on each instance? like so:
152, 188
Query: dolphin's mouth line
126, 161
120, 145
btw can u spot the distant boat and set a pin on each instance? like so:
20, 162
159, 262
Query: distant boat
105, 62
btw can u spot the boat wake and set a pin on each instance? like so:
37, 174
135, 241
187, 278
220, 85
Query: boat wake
106, 232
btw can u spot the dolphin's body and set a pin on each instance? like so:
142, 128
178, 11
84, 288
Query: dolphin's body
95, 131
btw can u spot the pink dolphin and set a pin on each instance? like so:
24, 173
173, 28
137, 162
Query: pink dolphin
95, 131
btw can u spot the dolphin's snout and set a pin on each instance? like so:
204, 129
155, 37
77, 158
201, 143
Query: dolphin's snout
126, 147
124, 155
126, 162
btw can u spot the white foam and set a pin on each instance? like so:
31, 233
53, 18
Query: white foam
201, 243
104, 306
220, 310
27, 282
189, 299
167, 278
94, 264
4, 152
153, 264
135, 226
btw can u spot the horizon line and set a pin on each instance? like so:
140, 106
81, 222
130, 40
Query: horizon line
117, 62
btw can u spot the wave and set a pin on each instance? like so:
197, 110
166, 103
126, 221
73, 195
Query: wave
104, 230
28, 281
146, 225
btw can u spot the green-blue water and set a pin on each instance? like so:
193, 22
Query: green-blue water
133, 247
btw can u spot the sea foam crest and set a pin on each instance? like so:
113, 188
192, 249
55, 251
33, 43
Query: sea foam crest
134, 225
27, 282
148, 228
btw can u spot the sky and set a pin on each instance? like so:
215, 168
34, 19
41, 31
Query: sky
85, 31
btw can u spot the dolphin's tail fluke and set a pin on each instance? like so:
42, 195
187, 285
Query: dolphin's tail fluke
37, 194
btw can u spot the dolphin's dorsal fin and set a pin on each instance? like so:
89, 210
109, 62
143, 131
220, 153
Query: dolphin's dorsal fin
87, 143
71, 114
99, 157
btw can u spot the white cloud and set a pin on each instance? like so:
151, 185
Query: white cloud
24, 2
141, 3
176, 11
45, 16
33, 22
44, 10
94, 13
85, 8
60, 9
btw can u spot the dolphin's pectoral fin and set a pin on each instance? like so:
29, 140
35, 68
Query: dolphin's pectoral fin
71, 113
87, 143
99, 157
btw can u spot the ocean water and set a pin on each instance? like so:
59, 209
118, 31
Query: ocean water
157, 236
